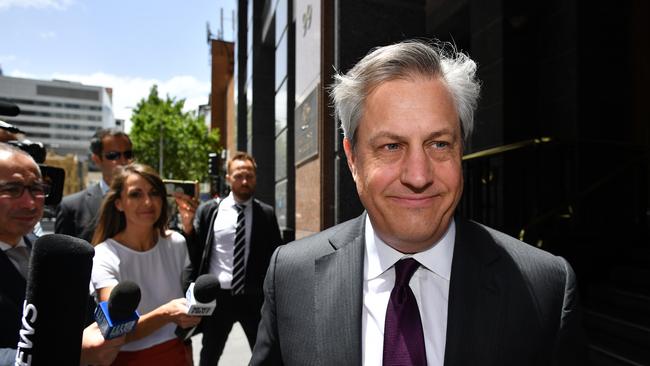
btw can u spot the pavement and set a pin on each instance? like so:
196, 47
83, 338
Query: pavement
236, 353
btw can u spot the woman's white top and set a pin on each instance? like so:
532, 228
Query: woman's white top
157, 271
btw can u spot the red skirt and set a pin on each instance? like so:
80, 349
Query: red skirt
170, 353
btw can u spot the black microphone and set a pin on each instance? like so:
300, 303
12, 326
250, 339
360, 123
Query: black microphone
9, 109
201, 300
201, 295
56, 300
118, 315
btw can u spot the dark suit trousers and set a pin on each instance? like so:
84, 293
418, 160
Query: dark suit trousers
243, 308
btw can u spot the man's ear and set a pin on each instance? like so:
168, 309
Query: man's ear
96, 159
349, 154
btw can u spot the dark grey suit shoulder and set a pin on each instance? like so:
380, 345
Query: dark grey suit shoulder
523, 302
77, 213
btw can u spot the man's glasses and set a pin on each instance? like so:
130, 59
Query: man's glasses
114, 155
16, 190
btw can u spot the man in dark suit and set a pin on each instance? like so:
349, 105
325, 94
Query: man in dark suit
19, 213
22, 196
233, 239
407, 282
77, 214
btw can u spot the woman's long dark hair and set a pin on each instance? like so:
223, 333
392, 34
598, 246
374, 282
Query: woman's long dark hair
111, 220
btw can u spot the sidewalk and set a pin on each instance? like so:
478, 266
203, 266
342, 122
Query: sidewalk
236, 353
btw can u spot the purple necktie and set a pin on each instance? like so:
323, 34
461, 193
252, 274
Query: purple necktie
403, 336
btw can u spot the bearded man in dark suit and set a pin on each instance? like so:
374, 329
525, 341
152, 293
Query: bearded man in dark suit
233, 238
407, 282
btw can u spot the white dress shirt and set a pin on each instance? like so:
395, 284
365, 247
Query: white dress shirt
4, 246
225, 226
430, 285
105, 187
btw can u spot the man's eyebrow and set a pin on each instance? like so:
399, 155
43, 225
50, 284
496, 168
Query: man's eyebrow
13, 182
385, 134
443, 132
393, 136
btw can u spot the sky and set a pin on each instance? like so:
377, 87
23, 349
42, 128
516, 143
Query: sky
127, 45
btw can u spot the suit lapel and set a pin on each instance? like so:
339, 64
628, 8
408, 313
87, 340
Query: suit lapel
13, 283
338, 297
257, 220
208, 244
94, 201
476, 312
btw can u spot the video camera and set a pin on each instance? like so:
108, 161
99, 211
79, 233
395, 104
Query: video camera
53, 176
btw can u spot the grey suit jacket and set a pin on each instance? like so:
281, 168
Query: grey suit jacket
77, 213
509, 303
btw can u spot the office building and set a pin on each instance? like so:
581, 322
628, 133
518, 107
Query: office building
62, 115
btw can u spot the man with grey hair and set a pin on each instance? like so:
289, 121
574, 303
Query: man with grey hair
407, 283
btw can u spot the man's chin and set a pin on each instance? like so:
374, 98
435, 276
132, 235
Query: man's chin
418, 235
243, 197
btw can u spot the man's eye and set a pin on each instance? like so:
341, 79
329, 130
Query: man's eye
440, 144
392, 146
14, 189
11, 190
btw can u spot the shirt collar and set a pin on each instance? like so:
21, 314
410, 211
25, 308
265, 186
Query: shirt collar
4, 246
382, 256
230, 201
104, 186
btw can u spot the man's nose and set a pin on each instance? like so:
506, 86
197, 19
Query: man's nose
417, 169
122, 160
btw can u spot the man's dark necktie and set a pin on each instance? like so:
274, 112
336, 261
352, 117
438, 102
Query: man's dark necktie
403, 335
238, 263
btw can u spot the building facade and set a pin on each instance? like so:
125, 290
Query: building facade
62, 115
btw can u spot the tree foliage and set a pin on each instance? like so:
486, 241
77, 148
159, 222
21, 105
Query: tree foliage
186, 141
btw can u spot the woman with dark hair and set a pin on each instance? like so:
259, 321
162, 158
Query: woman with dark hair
132, 243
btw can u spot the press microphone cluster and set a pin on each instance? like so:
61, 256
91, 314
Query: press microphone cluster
201, 301
118, 315
54, 311
201, 295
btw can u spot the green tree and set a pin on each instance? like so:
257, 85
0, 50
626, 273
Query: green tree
186, 141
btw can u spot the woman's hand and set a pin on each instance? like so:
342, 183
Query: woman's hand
96, 350
176, 310
187, 208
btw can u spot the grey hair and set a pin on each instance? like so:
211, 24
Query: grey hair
406, 60
11, 149
7, 150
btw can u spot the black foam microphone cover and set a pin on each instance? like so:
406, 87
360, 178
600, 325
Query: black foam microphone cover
56, 301
9, 109
205, 288
123, 300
